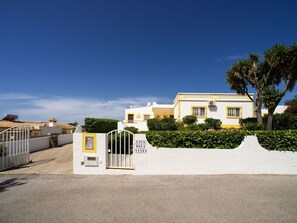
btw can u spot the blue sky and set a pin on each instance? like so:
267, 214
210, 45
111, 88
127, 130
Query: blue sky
72, 59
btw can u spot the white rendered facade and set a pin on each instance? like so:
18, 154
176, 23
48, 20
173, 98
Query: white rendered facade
228, 107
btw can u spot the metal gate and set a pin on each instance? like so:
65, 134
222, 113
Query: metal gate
14, 147
120, 149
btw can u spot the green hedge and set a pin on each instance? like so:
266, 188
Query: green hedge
196, 139
100, 125
162, 124
280, 140
277, 140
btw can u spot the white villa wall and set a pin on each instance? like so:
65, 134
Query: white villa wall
248, 158
40, 143
218, 112
65, 139
140, 125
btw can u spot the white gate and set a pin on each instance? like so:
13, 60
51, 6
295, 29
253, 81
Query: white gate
120, 149
14, 147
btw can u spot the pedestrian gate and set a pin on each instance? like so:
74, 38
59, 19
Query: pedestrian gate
14, 147
120, 149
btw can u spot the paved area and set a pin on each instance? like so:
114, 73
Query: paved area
50, 161
216, 198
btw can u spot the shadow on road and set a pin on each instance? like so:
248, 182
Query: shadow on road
10, 183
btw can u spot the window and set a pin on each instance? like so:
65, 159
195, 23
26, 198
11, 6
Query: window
199, 111
171, 116
146, 117
234, 112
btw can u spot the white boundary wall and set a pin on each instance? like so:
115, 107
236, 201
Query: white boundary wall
42, 143
65, 139
248, 158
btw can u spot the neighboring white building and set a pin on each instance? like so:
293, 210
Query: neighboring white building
228, 107
279, 109
137, 117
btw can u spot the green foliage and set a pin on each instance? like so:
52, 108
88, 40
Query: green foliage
253, 126
196, 139
280, 122
284, 121
100, 125
292, 106
131, 129
190, 119
165, 124
212, 123
278, 140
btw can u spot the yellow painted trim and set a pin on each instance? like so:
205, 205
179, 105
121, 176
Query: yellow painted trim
84, 135
226, 126
199, 107
231, 117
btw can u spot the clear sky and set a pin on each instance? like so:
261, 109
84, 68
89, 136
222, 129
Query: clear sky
72, 59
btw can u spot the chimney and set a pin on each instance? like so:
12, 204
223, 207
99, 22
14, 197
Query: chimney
52, 122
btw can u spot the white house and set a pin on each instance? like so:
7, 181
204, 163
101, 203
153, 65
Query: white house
278, 110
228, 107
137, 117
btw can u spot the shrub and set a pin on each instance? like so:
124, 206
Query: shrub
131, 129
280, 121
243, 121
196, 139
212, 123
278, 140
253, 126
100, 125
165, 124
190, 119
284, 121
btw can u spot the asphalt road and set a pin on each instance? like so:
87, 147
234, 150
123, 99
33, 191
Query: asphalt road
219, 198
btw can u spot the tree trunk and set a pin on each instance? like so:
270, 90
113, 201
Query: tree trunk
258, 108
258, 111
269, 120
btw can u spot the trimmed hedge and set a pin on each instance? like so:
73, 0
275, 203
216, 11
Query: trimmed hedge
278, 140
100, 125
164, 124
196, 139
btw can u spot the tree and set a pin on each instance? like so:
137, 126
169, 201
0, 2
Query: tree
73, 123
249, 73
281, 69
292, 106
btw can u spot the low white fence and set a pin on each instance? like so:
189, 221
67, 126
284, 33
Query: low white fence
248, 158
41, 143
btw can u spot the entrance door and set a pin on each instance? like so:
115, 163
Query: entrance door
120, 149
130, 118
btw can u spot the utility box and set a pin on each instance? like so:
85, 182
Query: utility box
89, 143
91, 161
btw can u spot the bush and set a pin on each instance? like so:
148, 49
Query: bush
132, 129
190, 119
196, 139
278, 140
280, 121
165, 124
253, 126
100, 125
212, 123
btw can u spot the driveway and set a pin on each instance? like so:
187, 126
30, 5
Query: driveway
128, 199
56, 160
